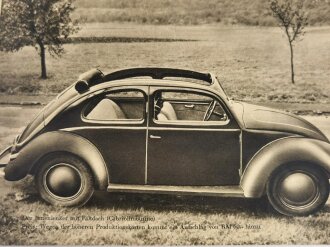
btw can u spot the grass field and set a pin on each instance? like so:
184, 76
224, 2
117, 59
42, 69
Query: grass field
246, 12
218, 221
252, 62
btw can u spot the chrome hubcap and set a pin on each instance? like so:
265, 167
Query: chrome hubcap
298, 190
63, 180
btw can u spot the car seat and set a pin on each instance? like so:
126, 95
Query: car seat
106, 109
168, 111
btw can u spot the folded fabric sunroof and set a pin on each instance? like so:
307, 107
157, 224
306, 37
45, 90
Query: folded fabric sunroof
95, 76
157, 73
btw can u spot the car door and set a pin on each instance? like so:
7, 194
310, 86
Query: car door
185, 150
116, 123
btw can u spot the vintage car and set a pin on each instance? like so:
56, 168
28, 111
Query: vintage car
161, 130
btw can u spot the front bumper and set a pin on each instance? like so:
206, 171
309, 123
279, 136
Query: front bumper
5, 156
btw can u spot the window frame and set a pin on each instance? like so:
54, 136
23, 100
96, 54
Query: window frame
185, 122
116, 121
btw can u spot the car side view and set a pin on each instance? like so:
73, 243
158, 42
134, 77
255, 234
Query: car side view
172, 131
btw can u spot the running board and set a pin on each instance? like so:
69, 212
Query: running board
221, 191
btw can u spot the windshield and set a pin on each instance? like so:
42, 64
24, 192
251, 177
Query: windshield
222, 89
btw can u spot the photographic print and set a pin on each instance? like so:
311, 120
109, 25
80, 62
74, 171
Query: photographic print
163, 122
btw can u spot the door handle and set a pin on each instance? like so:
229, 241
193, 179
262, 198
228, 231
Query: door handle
155, 137
189, 106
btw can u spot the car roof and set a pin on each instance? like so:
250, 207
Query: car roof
95, 79
157, 73
131, 82
96, 76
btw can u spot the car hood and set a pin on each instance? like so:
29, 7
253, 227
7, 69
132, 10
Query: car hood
264, 118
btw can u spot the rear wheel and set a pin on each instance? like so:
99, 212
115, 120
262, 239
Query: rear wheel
64, 180
298, 190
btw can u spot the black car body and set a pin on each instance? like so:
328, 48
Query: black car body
135, 131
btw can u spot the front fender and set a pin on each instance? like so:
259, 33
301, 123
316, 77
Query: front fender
57, 141
280, 152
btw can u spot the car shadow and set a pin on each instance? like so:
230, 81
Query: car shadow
162, 202
193, 204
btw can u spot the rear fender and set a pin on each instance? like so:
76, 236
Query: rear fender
5, 156
58, 141
283, 152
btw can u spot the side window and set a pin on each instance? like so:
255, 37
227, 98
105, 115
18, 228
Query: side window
188, 107
118, 105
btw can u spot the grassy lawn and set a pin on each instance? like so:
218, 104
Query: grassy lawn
247, 12
154, 219
252, 63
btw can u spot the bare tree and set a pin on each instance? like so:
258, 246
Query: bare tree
43, 24
292, 17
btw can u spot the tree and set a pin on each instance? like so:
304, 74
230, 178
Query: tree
43, 24
292, 18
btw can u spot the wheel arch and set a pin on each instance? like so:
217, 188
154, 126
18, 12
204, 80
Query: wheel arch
31, 156
280, 153
38, 163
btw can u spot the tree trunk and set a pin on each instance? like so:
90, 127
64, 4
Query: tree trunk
292, 66
43, 61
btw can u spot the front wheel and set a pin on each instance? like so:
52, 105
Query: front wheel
64, 180
298, 190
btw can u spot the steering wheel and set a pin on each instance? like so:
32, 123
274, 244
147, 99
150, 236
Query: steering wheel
209, 110
158, 104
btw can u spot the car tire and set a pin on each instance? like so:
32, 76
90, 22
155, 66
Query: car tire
64, 180
298, 190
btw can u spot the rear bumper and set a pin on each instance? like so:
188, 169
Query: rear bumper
5, 156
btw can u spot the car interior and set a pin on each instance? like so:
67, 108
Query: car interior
182, 106
168, 106
127, 105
